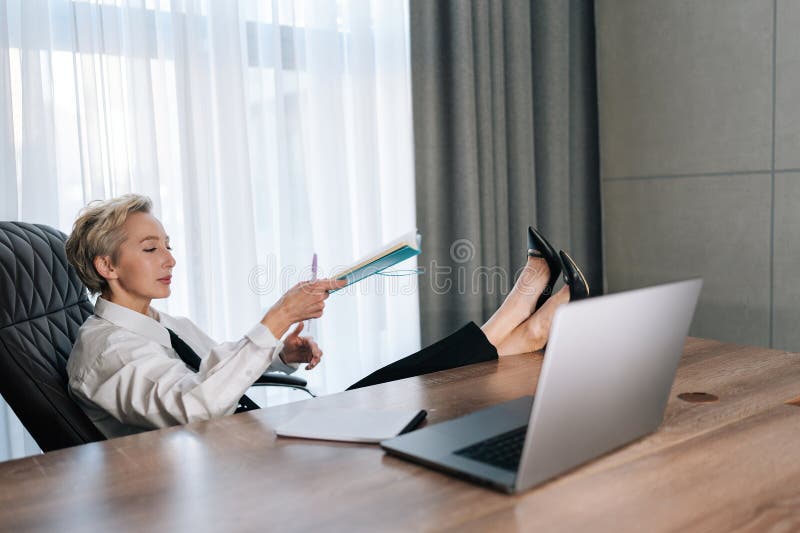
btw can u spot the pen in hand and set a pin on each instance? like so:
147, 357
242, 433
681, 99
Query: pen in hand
314, 268
308, 322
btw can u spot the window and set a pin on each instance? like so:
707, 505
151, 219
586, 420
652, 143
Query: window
264, 131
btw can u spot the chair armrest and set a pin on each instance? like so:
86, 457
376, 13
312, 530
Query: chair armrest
277, 378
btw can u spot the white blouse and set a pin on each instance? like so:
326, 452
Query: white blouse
126, 377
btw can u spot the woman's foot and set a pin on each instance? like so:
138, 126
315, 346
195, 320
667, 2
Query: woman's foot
531, 335
520, 302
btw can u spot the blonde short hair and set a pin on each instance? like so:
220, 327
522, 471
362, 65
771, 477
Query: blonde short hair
98, 231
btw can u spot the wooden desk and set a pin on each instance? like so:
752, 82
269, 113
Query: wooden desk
713, 466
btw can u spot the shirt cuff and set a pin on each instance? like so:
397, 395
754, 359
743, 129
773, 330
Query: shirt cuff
261, 336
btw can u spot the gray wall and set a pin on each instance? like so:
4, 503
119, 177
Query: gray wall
699, 105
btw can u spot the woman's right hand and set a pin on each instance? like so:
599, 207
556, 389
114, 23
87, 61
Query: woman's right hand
303, 301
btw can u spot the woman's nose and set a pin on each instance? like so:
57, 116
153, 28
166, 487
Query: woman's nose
170, 260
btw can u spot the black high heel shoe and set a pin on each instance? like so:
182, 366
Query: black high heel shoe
539, 247
573, 278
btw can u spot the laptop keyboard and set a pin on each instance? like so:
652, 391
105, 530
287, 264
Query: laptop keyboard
503, 451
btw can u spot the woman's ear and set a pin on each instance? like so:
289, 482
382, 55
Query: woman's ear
104, 267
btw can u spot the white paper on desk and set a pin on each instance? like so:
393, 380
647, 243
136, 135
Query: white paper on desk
348, 425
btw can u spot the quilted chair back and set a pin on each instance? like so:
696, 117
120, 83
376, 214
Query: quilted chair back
42, 305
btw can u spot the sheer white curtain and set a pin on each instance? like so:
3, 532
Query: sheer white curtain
264, 131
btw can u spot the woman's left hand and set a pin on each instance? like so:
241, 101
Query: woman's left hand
297, 349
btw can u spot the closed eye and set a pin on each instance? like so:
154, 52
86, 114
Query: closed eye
151, 250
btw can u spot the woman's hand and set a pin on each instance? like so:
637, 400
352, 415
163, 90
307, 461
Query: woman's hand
303, 301
297, 349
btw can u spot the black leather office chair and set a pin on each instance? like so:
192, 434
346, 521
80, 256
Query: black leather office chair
42, 305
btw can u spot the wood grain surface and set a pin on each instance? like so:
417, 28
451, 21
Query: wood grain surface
715, 466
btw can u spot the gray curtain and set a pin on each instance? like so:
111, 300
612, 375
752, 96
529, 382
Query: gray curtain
505, 127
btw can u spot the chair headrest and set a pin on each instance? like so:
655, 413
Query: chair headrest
35, 277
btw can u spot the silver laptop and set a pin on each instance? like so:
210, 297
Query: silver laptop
605, 380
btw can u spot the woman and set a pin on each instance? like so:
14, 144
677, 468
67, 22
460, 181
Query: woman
133, 368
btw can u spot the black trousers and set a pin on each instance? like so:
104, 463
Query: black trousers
466, 346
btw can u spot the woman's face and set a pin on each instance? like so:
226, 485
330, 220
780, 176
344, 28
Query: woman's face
143, 270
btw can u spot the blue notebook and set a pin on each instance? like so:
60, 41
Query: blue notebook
398, 250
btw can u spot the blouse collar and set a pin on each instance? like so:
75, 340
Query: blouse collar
148, 326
